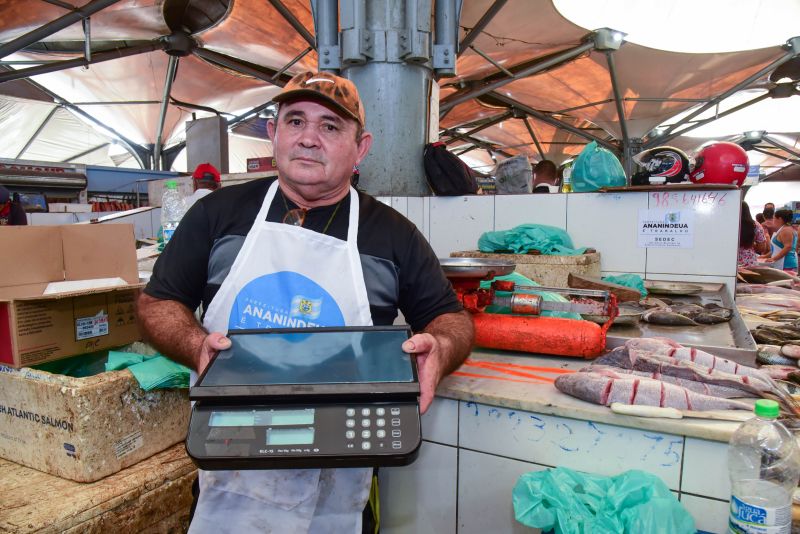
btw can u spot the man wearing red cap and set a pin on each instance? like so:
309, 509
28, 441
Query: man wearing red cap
205, 180
260, 246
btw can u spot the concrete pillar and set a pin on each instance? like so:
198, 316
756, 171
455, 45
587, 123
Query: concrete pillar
207, 141
385, 49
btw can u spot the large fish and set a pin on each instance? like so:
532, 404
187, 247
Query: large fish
764, 275
626, 359
602, 389
666, 347
706, 388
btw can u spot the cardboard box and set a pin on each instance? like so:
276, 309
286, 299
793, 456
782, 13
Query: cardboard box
86, 428
261, 164
151, 497
35, 328
550, 271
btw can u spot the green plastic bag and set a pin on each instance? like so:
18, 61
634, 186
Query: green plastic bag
596, 167
521, 239
152, 372
633, 281
568, 502
521, 280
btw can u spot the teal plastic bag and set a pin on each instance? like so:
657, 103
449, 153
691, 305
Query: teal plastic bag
152, 372
628, 280
568, 502
525, 281
596, 167
521, 239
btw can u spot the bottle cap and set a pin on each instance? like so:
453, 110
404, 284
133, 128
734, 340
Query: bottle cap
171, 184
767, 408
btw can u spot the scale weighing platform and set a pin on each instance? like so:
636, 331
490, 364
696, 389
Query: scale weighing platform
307, 398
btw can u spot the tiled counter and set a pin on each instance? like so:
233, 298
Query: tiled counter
481, 435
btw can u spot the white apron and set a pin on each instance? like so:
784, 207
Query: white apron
288, 276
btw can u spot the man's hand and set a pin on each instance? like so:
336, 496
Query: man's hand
440, 349
426, 348
212, 344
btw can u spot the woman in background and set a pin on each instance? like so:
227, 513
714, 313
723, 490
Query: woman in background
784, 244
752, 239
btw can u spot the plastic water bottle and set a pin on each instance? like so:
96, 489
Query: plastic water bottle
764, 466
172, 209
566, 180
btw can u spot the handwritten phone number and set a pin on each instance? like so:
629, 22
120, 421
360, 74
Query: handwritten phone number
668, 199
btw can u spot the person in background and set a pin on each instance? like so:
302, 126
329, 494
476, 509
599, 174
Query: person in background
770, 223
760, 218
205, 180
545, 177
753, 240
269, 241
11, 210
784, 244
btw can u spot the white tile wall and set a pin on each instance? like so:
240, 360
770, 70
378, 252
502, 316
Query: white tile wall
580, 445
716, 237
705, 468
709, 515
513, 210
485, 485
607, 222
458, 222
420, 498
440, 422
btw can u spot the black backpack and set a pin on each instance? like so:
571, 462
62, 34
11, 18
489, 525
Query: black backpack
447, 175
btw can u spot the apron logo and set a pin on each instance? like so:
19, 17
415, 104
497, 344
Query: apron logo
306, 307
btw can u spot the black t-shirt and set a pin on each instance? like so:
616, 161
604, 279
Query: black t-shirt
400, 269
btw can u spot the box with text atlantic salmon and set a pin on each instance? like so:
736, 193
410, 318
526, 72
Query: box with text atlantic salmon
66, 290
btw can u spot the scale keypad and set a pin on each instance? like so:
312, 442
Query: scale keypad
375, 418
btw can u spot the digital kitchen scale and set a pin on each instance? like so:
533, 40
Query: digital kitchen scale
307, 398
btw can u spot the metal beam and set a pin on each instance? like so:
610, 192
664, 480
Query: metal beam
481, 24
627, 163
263, 74
81, 154
493, 62
138, 151
37, 132
664, 138
59, 3
288, 66
292, 20
87, 42
551, 61
553, 121
776, 144
172, 68
772, 154
483, 126
589, 105
741, 85
52, 27
98, 57
533, 136
118, 103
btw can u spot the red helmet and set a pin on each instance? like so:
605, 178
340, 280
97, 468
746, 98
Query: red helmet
720, 163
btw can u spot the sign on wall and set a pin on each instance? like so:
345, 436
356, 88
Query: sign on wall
665, 228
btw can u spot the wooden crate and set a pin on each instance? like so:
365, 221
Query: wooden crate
153, 496
85, 429
551, 271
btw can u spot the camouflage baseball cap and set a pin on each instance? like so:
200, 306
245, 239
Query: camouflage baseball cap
338, 91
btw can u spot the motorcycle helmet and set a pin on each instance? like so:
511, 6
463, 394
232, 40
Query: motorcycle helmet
663, 164
720, 163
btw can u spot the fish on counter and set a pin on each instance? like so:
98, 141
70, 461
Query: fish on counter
687, 314
669, 348
767, 355
706, 388
603, 389
763, 275
747, 386
756, 289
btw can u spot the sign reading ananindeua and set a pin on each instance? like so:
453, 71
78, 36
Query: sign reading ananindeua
665, 228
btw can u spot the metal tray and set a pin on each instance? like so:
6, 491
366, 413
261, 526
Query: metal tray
731, 340
476, 267
673, 288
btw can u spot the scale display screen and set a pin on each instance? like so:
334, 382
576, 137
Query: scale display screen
261, 417
290, 436
307, 357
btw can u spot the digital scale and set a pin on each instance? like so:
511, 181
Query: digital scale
307, 398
